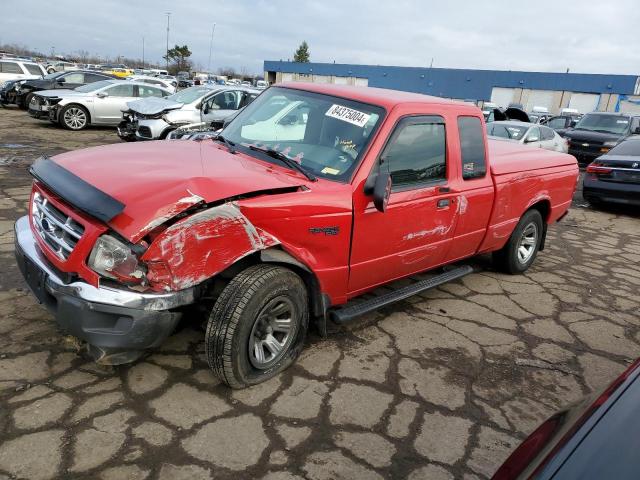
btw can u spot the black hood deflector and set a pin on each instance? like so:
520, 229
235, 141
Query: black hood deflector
75, 190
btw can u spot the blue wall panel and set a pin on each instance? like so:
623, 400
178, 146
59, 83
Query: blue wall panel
462, 83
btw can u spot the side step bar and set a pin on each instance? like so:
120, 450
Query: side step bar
348, 313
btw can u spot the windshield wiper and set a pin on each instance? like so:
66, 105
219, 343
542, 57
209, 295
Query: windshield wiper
230, 145
284, 159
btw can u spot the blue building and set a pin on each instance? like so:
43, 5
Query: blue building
583, 91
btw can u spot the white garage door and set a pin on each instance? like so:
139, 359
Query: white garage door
502, 96
540, 98
584, 102
341, 80
287, 77
321, 79
362, 82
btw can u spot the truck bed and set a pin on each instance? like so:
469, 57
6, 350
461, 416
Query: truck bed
510, 157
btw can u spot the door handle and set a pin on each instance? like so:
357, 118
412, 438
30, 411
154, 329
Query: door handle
444, 189
443, 203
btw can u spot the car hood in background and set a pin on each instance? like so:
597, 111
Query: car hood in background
591, 136
153, 105
158, 180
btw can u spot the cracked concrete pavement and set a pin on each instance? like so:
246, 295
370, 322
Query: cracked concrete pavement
441, 386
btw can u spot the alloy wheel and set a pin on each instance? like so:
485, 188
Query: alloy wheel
528, 243
272, 332
75, 118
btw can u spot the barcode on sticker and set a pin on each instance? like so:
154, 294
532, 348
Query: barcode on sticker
348, 115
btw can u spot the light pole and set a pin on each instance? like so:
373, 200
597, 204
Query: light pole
167, 54
210, 48
143, 52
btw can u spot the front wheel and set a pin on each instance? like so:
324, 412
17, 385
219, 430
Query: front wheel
74, 117
523, 245
257, 326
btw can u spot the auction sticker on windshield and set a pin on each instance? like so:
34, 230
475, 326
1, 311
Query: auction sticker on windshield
348, 115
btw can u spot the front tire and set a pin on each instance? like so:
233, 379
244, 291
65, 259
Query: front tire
523, 245
25, 103
74, 117
257, 326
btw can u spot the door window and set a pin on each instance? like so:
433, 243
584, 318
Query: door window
557, 122
73, 78
225, 101
147, 91
546, 133
416, 152
472, 150
10, 67
120, 91
92, 77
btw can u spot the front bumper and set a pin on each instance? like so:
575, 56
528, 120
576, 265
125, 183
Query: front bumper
610, 192
118, 324
152, 128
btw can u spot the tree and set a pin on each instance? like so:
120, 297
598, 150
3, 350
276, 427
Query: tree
179, 56
302, 53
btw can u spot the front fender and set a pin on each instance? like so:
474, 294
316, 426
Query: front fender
201, 246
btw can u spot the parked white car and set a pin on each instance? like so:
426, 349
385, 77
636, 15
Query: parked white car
14, 69
155, 118
62, 67
98, 103
166, 83
528, 134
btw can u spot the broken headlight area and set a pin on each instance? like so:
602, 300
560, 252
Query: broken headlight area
114, 259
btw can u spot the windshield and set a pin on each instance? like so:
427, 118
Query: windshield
512, 132
629, 147
325, 135
92, 87
189, 95
604, 123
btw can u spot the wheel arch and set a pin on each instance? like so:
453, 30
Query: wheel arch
75, 104
544, 207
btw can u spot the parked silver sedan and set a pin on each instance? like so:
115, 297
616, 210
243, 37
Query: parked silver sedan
98, 103
528, 134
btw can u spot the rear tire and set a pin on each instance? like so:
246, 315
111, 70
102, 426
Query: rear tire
257, 326
523, 245
27, 100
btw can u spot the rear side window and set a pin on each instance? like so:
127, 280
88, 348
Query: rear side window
558, 122
147, 91
10, 67
33, 69
472, 150
416, 153
121, 91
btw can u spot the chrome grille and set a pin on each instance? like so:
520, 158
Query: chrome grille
58, 230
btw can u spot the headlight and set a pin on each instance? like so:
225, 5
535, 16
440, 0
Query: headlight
610, 144
113, 259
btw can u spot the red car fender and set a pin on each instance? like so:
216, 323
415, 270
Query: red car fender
201, 246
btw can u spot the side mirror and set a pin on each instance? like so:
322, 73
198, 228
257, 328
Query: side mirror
382, 191
572, 123
102, 94
205, 109
531, 139
636, 131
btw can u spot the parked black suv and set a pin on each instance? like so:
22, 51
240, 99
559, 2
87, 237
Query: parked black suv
598, 132
68, 80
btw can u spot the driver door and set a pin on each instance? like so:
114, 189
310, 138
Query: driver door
107, 110
220, 106
415, 231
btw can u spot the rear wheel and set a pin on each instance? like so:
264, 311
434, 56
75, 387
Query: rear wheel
27, 100
521, 249
74, 117
257, 326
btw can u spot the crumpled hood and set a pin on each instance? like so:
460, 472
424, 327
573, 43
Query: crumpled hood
153, 105
157, 180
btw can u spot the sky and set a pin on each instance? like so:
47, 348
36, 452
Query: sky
583, 36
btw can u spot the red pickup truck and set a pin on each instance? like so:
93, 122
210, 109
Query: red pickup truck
310, 197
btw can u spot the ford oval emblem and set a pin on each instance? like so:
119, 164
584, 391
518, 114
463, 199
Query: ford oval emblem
585, 144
